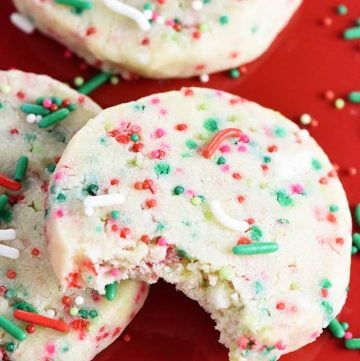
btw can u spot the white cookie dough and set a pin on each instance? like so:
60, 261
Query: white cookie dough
182, 39
166, 207
29, 282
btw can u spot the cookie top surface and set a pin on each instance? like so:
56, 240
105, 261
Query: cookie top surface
182, 38
28, 282
188, 216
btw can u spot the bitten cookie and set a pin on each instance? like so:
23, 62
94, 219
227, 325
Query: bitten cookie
38, 322
162, 39
229, 201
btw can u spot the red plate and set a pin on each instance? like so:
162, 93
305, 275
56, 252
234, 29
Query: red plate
308, 59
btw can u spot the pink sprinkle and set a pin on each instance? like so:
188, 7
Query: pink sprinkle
161, 241
348, 335
115, 272
190, 193
155, 101
224, 148
225, 168
297, 189
170, 22
135, 128
58, 176
244, 138
47, 103
242, 342
163, 111
159, 132
50, 348
155, 154
242, 148
59, 213
280, 345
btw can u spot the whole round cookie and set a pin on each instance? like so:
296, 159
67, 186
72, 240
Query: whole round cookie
229, 201
161, 39
37, 320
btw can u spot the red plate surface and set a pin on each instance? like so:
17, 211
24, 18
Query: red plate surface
306, 60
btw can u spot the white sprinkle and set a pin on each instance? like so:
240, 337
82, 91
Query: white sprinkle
102, 201
305, 119
7, 234
204, 78
226, 220
197, 5
79, 300
9, 252
130, 12
50, 313
22, 22
148, 14
31, 118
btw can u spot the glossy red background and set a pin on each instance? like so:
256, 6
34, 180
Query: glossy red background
305, 61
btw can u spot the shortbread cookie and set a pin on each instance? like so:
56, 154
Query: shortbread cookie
229, 201
84, 322
161, 39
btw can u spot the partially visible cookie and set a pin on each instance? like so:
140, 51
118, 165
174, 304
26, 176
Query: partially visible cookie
162, 39
30, 148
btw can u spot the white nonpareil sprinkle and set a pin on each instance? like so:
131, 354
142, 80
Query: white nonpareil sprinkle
129, 12
105, 200
305, 119
7, 234
22, 22
79, 300
31, 118
197, 5
226, 220
9, 252
204, 78
50, 313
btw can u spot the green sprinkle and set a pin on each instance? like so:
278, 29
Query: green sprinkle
10, 346
221, 160
4, 199
115, 214
25, 306
325, 283
83, 313
12, 329
6, 215
353, 344
357, 214
182, 253
53, 118
256, 233
162, 169
51, 167
224, 20
284, 199
110, 291
336, 328
34, 109
342, 9
234, 73
77, 4
92, 189
93, 314
178, 190
333, 208
328, 309
21, 168
354, 96
134, 137
211, 125
255, 248
61, 197
280, 132
356, 240
56, 100
94, 83
71, 107
315, 163
354, 250
345, 325
191, 144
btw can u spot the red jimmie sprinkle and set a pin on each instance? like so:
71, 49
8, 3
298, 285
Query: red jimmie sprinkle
41, 320
9, 183
211, 148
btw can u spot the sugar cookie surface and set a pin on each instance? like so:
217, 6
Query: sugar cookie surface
184, 38
186, 215
29, 282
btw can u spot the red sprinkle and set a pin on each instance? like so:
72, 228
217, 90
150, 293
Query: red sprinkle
30, 328
41, 320
211, 148
9, 183
11, 274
